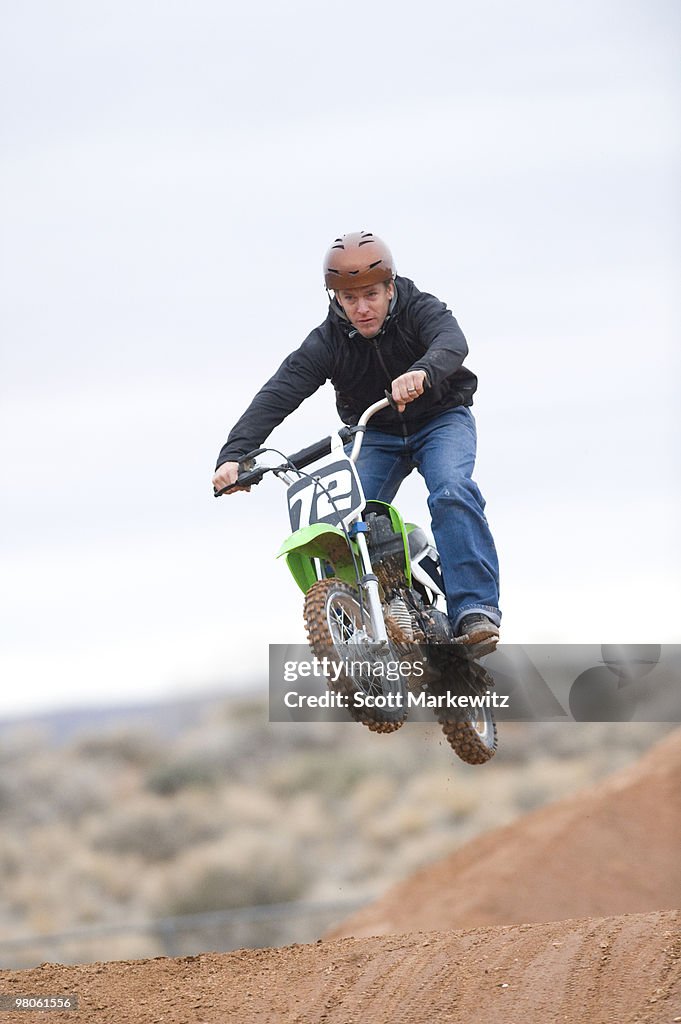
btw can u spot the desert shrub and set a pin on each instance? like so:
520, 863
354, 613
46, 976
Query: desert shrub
208, 756
53, 786
128, 746
81, 789
154, 829
169, 777
249, 711
249, 806
7, 794
251, 868
12, 855
334, 775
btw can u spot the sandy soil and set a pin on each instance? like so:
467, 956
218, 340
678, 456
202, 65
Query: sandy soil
622, 969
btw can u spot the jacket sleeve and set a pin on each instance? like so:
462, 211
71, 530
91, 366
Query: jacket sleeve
437, 328
298, 377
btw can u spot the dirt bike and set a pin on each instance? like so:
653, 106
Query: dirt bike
372, 585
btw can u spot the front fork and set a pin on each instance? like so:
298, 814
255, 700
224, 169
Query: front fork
370, 588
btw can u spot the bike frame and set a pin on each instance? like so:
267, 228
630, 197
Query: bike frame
314, 541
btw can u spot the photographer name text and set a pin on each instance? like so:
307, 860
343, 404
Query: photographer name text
358, 699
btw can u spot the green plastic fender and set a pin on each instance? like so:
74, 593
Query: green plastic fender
320, 540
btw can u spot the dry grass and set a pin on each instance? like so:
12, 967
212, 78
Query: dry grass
126, 826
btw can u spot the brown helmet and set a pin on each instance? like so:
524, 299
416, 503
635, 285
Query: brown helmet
356, 260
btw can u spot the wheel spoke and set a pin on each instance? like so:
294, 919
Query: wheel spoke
336, 624
345, 625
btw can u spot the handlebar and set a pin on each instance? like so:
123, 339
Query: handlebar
252, 475
318, 450
249, 477
310, 454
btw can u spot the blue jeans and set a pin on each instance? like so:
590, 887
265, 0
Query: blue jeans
443, 451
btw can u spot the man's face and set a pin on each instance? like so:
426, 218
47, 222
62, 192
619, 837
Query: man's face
366, 308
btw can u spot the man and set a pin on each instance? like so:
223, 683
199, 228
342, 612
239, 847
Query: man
382, 333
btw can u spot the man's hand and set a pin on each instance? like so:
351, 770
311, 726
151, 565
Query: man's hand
226, 476
408, 387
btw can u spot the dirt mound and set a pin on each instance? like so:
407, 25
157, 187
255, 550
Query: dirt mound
625, 969
612, 849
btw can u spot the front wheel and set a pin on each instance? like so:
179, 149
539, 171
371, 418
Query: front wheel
376, 692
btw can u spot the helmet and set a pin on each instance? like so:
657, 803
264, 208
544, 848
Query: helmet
356, 260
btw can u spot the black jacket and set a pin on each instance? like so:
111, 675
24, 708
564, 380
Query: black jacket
419, 333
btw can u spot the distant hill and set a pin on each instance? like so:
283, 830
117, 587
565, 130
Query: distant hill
166, 718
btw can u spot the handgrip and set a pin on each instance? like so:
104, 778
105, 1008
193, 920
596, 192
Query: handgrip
307, 455
248, 478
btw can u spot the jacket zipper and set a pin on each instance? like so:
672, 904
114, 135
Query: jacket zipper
374, 342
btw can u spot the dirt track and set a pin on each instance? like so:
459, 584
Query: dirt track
622, 970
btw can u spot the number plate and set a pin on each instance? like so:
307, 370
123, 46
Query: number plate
331, 494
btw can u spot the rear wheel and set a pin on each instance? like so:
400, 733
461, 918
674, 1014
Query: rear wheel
471, 731
336, 630
474, 739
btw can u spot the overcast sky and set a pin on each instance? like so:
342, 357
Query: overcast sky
171, 177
